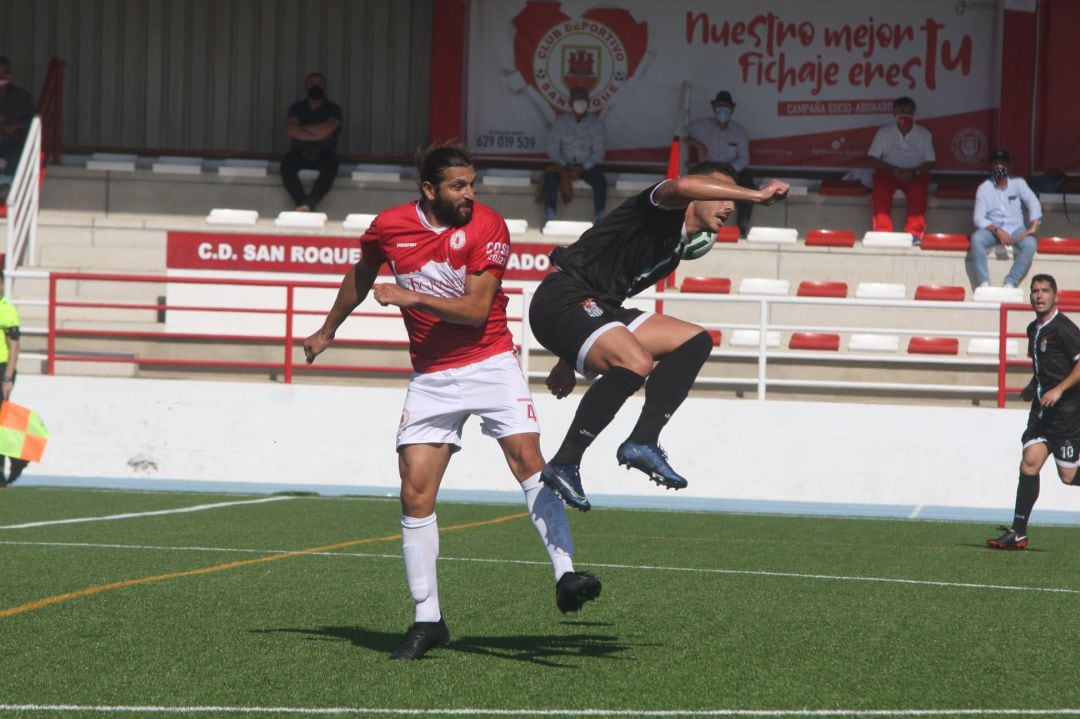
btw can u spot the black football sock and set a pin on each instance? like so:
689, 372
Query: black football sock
1027, 491
668, 385
597, 409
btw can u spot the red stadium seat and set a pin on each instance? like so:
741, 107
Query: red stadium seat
933, 346
956, 190
822, 289
1059, 245
717, 285
830, 238
728, 233
945, 293
814, 341
716, 336
943, 241
843, 188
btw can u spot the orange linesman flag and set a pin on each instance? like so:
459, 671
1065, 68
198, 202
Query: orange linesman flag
22, 433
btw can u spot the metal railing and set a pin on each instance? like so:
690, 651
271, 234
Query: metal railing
286, 310
22, 204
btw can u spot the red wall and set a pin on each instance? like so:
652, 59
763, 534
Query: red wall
1057, 123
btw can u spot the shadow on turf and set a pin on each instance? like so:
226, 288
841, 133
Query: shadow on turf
545, 650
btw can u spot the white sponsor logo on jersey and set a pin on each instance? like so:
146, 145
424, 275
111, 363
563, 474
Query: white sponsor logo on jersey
457, 240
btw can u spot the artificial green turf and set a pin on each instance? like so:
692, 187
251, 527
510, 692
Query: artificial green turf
699, 611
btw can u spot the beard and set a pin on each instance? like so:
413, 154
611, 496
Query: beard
450, 214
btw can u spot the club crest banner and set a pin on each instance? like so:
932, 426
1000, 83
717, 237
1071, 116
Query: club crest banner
811, 87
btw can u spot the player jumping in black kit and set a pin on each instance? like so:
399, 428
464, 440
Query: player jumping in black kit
1054, 421
577, 313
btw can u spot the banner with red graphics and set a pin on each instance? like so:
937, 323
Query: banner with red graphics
810, 87
309, 255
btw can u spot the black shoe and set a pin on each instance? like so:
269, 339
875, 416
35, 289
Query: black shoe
16, 472
565, 481
1009, 540
574, 589
421, 637
651, 460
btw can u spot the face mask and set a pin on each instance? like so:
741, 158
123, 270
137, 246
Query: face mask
904, 122
723, 114
999, 172
580, 107
315, 93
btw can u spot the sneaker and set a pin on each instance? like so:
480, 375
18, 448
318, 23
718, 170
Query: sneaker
984, 284
916, 241
574, 589
421, 637
651, 460
1009, 540
16, 471
1009, 286
565, 481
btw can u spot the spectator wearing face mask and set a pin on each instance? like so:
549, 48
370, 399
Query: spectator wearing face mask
576, 149
16, 112
901, 156
999, 222
312, 125
721, 139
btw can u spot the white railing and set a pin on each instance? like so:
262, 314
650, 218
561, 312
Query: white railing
23, 199
763, 354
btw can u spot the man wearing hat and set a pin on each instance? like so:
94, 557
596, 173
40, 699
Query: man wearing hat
721, 139
999, 222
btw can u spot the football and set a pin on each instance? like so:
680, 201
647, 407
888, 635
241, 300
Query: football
698, 245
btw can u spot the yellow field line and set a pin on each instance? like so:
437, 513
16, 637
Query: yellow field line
90, 591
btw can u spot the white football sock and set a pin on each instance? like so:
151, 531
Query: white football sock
420, 549
548, 515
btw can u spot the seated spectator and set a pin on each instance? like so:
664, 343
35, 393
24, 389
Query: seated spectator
902, 155
999, 222
313, 125
16, 112
721, 139
576, 148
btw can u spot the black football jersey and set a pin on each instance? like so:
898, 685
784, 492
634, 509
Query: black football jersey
1054, 349
629, 251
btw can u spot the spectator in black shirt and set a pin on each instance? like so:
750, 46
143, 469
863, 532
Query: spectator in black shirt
1054, 421
16, 112
577, 313
313, 125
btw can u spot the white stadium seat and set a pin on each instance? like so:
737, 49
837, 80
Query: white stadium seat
880, 291
775, 235
111, 161
873, 343
517, 226
357, 222
564, 228
886, 239
224, 216
178, 165
1000, 295
244, 168
989, 346
752, 338
376, 173
763, 286
307, 220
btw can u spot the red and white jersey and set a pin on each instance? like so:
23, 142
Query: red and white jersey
436, 261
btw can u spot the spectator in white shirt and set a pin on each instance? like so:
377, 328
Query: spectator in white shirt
999, 221
902, 155
576, 148
721, 139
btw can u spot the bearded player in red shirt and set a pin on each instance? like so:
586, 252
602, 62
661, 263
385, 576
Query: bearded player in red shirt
448, 254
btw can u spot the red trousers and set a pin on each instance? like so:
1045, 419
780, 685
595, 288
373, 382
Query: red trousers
916, 190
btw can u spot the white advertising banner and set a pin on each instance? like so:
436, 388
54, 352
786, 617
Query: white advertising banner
812, 80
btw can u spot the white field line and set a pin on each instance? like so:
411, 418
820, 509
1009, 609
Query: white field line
389, 711
156, 513
600, 565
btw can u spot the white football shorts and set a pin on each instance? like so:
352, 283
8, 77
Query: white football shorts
438, 403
